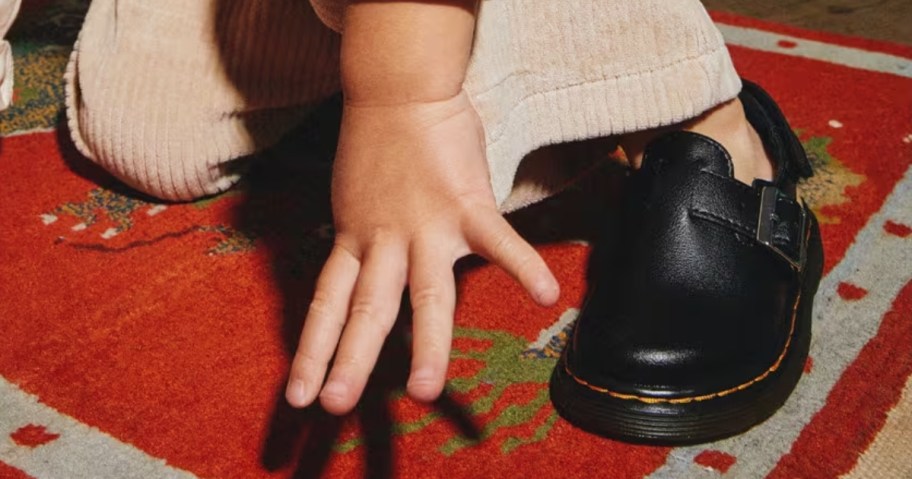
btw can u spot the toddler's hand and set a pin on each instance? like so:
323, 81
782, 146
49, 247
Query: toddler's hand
411, 195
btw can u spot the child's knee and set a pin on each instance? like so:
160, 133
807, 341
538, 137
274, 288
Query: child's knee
159, 158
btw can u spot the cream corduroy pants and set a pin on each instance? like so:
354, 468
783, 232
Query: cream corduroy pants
166, 94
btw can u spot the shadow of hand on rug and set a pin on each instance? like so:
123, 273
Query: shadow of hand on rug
312, 436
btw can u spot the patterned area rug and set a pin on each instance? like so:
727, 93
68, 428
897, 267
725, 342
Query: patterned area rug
141, 340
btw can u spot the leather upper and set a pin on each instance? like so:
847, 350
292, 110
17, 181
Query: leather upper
694, 287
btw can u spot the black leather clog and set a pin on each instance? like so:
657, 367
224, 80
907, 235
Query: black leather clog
697, 321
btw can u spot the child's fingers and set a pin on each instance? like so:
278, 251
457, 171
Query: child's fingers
432, 290
322, 327
373, 310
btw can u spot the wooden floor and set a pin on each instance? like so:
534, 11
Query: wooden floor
878, 19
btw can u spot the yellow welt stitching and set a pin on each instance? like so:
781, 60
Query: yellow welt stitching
685, 400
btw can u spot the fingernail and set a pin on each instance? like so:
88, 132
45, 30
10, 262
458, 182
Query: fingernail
421, 377
546, 292
296, 391
424, 386
334, 389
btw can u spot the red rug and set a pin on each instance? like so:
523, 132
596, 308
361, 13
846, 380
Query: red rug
140, 339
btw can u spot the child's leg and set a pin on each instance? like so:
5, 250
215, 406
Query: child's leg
166, 94
555, 72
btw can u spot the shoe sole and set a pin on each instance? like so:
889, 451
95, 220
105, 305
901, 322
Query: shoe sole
659, 422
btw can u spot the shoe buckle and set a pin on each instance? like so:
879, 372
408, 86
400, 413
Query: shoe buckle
769, 196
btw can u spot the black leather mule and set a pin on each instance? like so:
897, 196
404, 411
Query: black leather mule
698, 317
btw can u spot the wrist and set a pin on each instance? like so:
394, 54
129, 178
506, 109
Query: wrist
405, 52
375, 122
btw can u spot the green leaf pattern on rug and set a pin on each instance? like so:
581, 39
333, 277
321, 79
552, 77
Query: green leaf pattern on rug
114, 206
38, 93
41, 49
831, 178
120, 209
507, 363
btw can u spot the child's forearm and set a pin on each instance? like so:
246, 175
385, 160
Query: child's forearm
397, 52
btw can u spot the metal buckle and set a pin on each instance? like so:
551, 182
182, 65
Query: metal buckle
768, 201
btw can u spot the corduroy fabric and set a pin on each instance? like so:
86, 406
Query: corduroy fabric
166, 95
8, 11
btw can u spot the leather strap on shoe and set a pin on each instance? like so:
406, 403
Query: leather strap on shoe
764, 214
766, 117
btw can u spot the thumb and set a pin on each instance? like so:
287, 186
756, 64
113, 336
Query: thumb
491, 236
